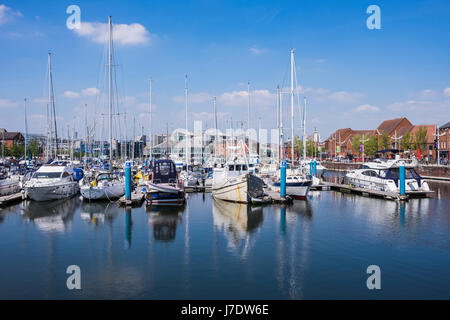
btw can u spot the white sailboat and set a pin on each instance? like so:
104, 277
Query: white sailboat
106, 185
297, 182
233, 182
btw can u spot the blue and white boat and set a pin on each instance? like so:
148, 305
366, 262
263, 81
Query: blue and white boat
164, 187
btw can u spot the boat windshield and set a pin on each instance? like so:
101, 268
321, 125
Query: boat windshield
46, 175
394, 174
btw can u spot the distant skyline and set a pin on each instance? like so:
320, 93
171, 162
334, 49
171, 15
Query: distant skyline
352, 76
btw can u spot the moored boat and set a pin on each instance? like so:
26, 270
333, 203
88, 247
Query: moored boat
52, 182
163, 187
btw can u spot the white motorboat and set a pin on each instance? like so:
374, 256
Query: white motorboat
384, 175
9, 184
105, 186
233, 182
52, 182
297, 184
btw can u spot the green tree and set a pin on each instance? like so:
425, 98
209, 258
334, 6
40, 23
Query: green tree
371, 145
406, 141
385, 141
33, 147
298, 147
420, 138
16, 150
356, 142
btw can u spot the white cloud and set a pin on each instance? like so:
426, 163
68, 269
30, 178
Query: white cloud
367, 108
88, 92
123, 34
71, 94
258, 98
7, 14
343, 96
5, 103
427, 94
256, 51
325, 95
447, 92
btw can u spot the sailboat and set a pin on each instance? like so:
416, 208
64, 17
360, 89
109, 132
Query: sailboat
106, 185
234, 182
297, 182
56, 180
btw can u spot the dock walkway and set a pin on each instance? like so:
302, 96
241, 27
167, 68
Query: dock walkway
136, 199
15, 197
368, 192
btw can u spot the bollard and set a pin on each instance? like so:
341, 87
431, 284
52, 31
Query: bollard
315, 168
402, 178
127, 180
283, 179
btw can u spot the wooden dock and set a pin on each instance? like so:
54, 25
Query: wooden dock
276, 198
367, 192
136, 199
15, 197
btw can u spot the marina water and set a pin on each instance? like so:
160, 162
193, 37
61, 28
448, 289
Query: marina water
314, 249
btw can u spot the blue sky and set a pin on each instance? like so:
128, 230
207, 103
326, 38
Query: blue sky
352, 76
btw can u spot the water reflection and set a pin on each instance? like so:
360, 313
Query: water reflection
164, 221
51, 216
237, 221
99, 212
292, 250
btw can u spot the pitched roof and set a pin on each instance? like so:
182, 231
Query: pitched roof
445, 126
10, 135
387, 126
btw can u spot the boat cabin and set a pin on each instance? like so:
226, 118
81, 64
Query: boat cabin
164, 171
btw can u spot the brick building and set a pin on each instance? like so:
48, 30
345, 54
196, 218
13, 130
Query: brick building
444, 141
339, 143
10, 138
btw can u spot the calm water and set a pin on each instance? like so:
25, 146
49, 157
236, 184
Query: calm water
315, 249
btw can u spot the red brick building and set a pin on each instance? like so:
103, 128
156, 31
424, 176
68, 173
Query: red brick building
10, 138
444, 141
339, 143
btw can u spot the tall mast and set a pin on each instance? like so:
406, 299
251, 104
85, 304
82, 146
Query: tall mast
304, 129
187, 134
110, 89
134, 135
86, 145
215, 127
292, 107
26, 130
248, 111
151, 118
278, 123
49, 113
52, 104
281, 126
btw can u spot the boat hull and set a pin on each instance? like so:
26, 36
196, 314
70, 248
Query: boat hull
53, 192
103, 193
164, 194
8, 187
298, 191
